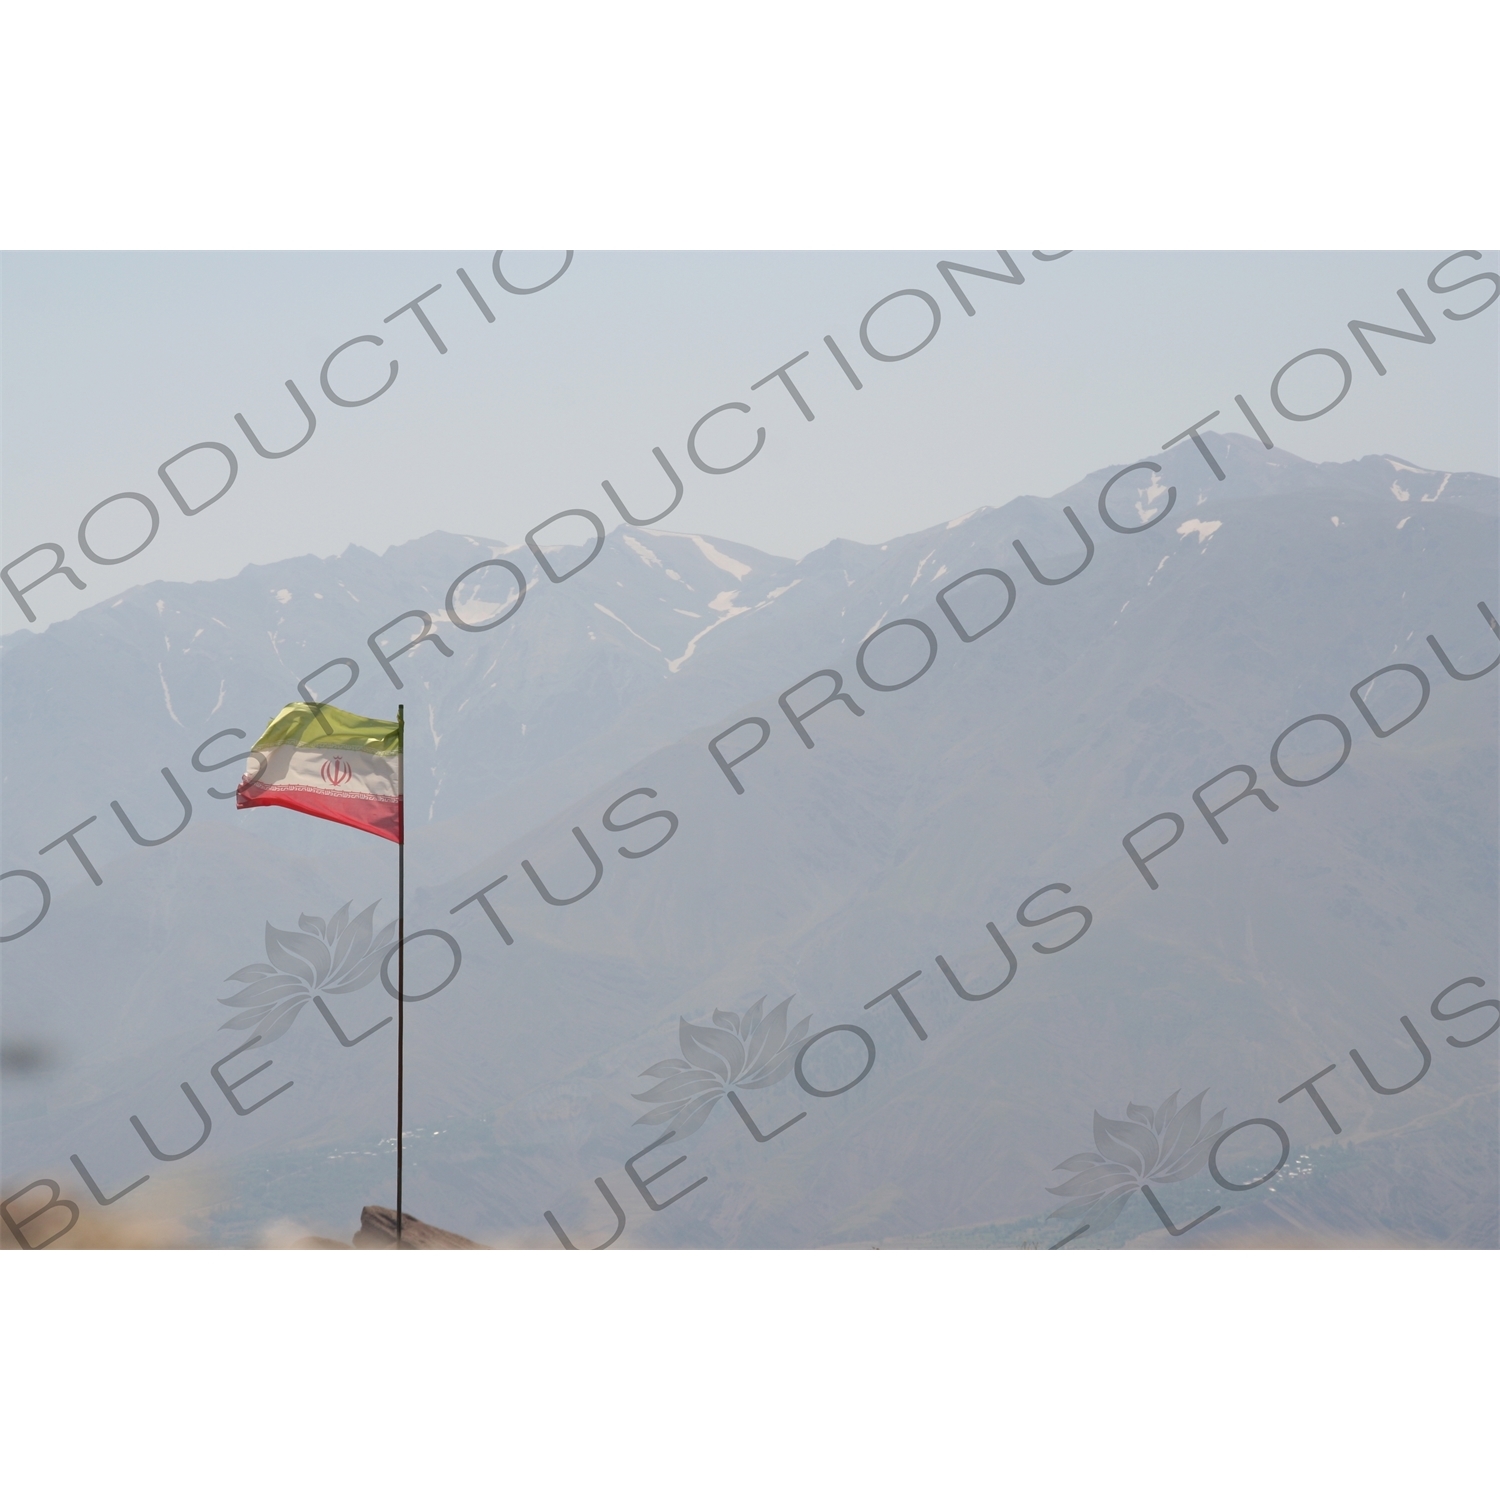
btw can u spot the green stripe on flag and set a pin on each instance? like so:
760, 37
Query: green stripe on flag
319, 726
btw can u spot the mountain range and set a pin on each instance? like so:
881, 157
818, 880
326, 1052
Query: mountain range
944, 818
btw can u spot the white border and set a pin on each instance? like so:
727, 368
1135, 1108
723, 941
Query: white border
796, 123
745, 1373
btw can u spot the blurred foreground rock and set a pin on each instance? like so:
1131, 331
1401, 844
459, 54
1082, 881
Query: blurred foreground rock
377, 1231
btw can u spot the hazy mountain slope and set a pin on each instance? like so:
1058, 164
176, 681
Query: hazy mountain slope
1017, 760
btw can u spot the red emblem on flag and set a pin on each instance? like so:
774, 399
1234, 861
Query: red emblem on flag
336, 772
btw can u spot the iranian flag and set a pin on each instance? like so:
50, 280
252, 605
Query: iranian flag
317, 759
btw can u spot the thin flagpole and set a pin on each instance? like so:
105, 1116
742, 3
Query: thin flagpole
400, 965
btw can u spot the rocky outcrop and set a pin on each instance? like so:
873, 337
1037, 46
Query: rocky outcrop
377, 1231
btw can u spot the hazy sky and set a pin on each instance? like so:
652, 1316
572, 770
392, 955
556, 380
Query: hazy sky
112, 363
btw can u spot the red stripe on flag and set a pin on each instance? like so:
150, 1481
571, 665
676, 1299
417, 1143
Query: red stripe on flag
378, 815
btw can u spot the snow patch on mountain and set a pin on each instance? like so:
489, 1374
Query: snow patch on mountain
718, 559
1203, 529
